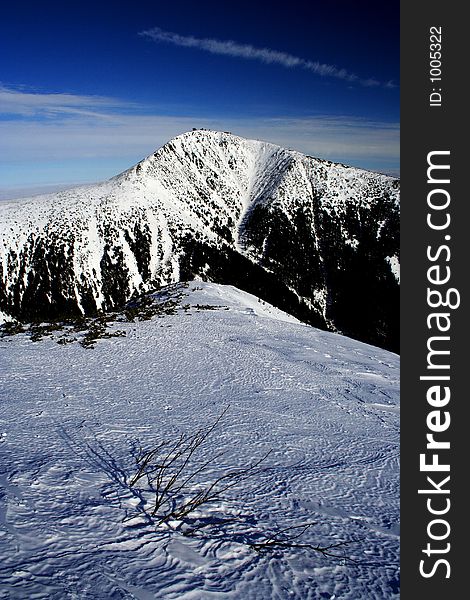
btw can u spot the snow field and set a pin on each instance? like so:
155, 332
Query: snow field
327, 407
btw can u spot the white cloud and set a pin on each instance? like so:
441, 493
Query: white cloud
32, 104
265, 55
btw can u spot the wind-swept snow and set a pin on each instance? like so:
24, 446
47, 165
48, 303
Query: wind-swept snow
326, 405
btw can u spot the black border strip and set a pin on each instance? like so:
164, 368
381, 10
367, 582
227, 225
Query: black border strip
433, 124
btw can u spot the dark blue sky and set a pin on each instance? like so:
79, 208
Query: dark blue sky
83, 94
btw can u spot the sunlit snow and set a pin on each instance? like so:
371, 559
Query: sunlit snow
326, 405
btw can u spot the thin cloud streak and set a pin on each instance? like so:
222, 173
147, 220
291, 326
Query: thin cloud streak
265, 55
33, 104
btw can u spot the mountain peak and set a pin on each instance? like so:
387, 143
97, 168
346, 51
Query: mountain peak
315, 238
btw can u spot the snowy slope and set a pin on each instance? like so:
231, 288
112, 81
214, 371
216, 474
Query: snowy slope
315, 238
326, 405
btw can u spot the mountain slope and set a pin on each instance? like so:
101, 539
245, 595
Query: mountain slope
71, 418
315, 238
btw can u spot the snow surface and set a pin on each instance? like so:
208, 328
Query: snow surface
326, 405
4, 318
394, 263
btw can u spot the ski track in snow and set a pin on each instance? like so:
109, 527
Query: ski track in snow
326, 405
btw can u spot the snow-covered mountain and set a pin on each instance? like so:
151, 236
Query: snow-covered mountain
71, 418
317, 239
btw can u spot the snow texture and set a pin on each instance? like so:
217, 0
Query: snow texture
325, 404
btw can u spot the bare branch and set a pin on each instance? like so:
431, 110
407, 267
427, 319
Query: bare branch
171, 476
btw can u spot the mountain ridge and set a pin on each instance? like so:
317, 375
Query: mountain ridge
302, 233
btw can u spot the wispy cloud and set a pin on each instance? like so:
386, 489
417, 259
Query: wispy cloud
17, 101
265, 55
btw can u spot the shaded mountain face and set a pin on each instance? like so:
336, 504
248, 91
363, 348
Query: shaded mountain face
317, 239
